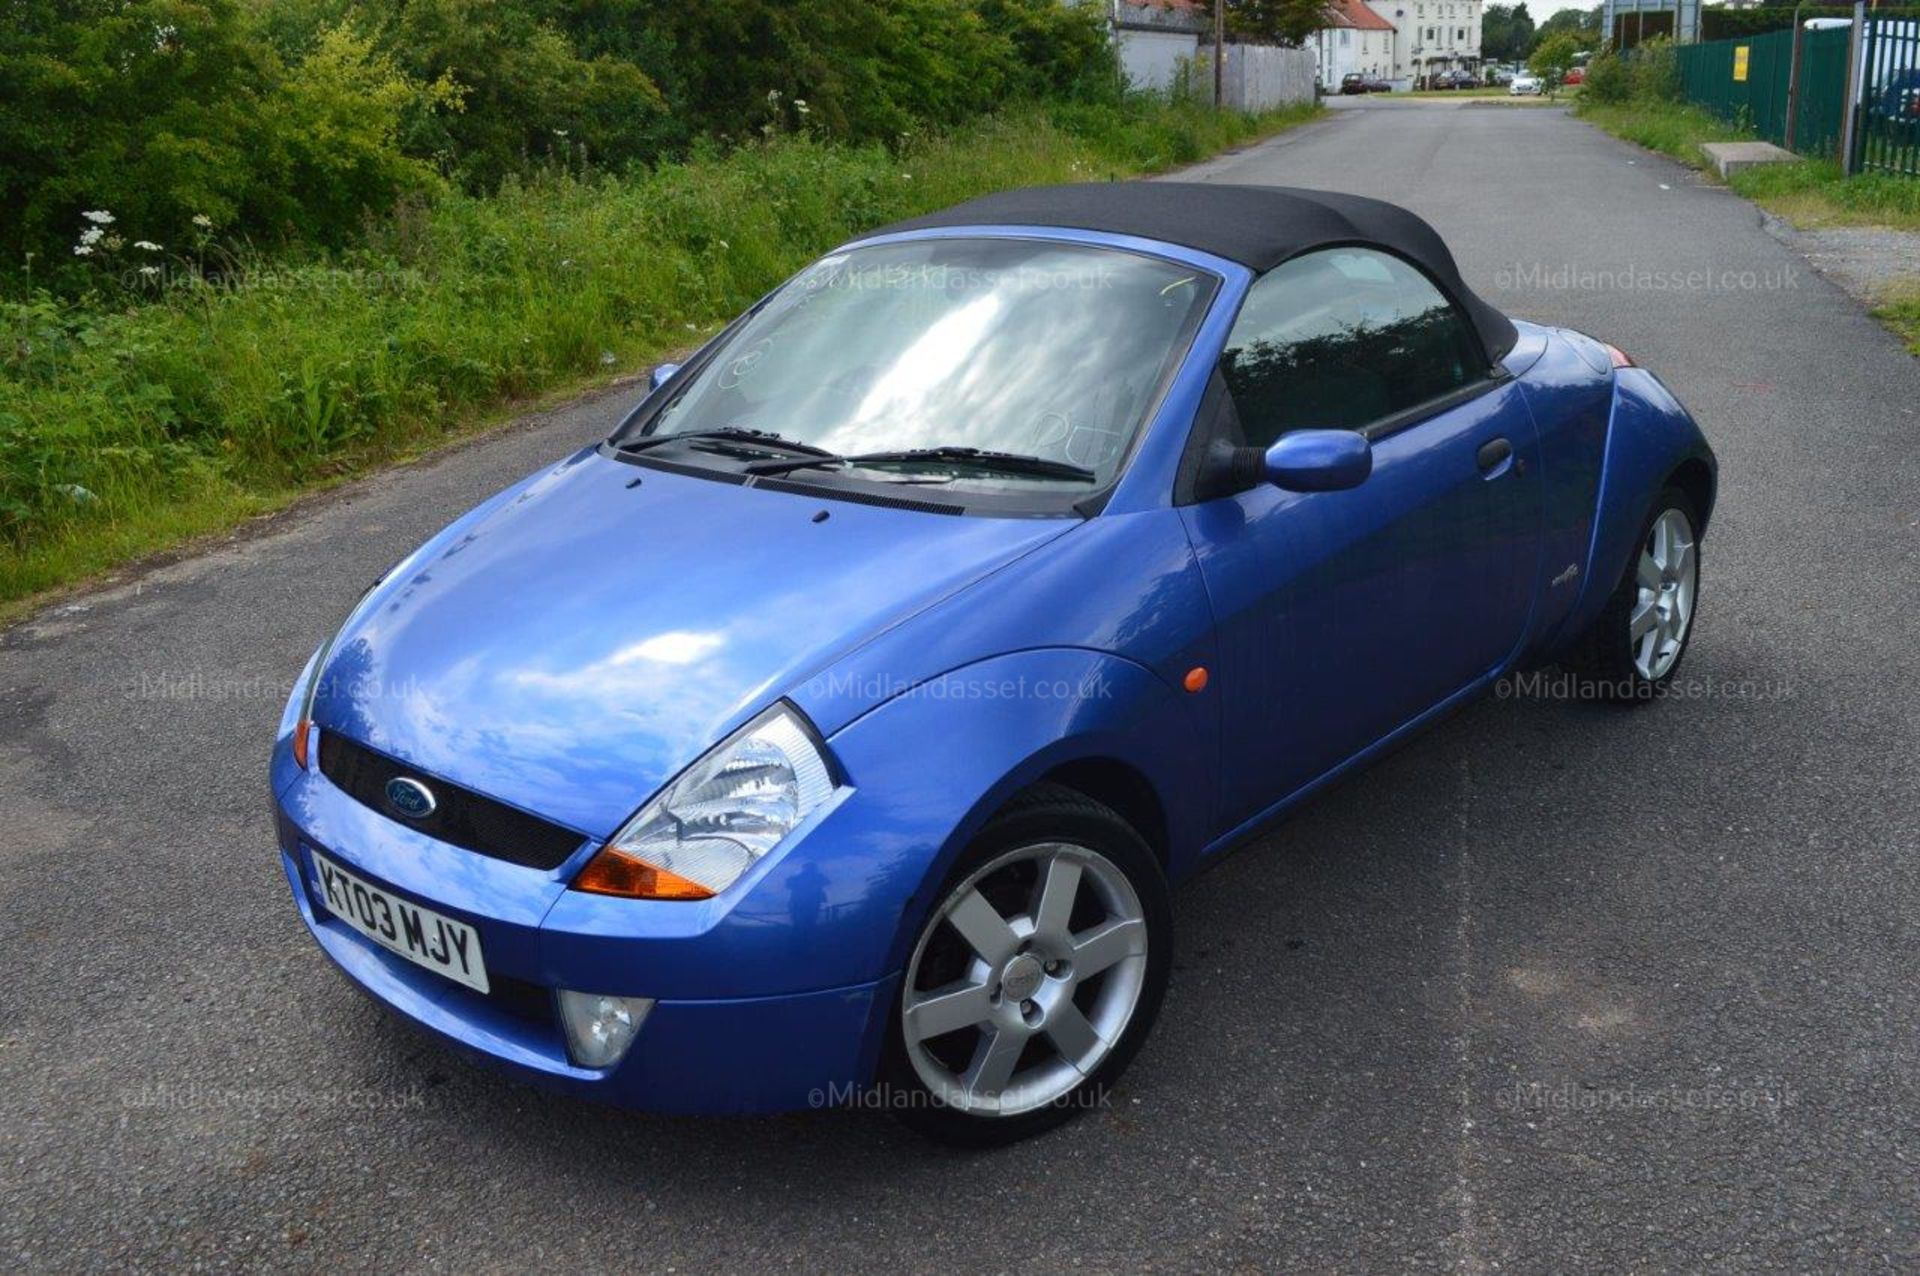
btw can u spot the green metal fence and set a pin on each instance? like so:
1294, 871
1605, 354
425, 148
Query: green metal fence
1749, 82
1887, 131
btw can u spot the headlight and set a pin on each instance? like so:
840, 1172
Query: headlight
303, 726
700, 833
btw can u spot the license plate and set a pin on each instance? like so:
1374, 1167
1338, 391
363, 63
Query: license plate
421, 935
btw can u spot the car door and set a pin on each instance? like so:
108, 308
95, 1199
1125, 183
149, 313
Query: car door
1345, 615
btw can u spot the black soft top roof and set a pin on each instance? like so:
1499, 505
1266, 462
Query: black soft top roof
1257, 226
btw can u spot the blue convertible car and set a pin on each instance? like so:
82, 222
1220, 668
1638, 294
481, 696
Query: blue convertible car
834, 730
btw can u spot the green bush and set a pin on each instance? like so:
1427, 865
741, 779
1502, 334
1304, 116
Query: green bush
1656, 71
1650, 73
866, 70
1609, 79
1059, 50
527, 96
161, 111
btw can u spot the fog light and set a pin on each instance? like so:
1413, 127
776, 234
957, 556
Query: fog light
600, 1028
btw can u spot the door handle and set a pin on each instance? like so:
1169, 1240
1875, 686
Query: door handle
1493, 455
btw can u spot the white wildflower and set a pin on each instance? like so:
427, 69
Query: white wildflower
559, 132
83, 250
606, 359
149, 271
203, 221
91, 235
146, 245
773, 97
99, 217
800, 105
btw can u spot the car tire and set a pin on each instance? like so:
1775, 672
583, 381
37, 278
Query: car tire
1004, 1026
1634, 647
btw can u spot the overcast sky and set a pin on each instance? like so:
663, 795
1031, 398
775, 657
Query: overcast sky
1544, 9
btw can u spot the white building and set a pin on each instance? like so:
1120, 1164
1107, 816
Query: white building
1355, 41
1156, 37
1430, 36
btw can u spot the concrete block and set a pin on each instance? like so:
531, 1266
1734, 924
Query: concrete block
1730, 157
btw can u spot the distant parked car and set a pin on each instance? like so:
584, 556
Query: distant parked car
1577, 75
1502, 76
1357, 83
1526, 86
1453, 80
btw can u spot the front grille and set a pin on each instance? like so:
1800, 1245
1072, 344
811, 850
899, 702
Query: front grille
460, 816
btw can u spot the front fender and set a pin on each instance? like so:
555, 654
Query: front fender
934, 764
1649, 436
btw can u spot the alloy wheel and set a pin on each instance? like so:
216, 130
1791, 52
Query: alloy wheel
1024, 980
1666, 579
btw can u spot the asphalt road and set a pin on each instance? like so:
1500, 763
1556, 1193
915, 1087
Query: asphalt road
1558, 987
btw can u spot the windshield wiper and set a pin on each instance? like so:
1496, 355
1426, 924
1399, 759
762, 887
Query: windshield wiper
732, 434
979, 458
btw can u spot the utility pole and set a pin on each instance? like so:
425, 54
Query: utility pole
1850, 115
1793, 79
1219, 53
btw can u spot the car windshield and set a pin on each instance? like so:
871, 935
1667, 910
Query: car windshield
1020, 347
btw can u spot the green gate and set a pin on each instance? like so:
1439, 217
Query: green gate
1821, 108
1887, 131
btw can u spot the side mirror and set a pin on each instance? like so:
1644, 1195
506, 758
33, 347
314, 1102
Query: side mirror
1319, 461
662, 375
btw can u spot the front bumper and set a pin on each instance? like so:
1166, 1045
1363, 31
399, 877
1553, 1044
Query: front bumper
709, 1055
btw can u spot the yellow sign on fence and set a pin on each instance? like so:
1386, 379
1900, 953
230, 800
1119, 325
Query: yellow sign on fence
1739, 64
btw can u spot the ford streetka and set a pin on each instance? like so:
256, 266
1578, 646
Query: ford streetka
833, 731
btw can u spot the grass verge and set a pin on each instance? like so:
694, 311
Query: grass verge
172, 406
1902, 314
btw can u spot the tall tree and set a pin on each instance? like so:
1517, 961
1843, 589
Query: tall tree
1288, 22
1553, 55
1582, 24
1506, 32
